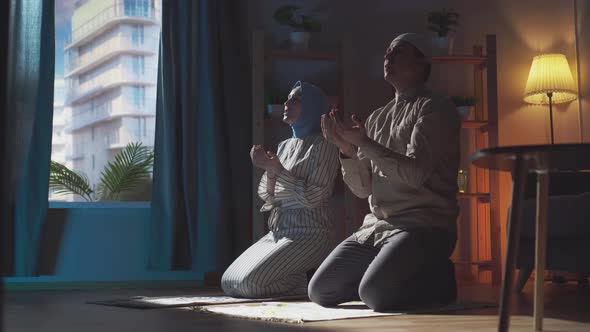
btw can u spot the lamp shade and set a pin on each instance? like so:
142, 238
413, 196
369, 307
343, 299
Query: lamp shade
549, 73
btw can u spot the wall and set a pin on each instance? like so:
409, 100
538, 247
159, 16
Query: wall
584, 54
98, 242
523, 29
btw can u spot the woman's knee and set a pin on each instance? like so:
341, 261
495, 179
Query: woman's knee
229, 283
239, 284
242, 288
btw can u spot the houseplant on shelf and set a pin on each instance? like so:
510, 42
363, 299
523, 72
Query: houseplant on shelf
465, 105
119, 181
442, 22
301, 23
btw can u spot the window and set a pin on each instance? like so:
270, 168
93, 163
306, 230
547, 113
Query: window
141, 127
101, 82
137, 35
138, 65
137, 7
139, 96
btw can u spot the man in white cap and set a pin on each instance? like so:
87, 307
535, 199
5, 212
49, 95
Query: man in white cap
404, 158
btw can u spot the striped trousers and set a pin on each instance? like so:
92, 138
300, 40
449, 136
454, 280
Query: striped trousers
277, 264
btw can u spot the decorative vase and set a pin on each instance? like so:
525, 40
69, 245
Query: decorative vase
299, 40
443, 46
275, 111
462, 181
465, 111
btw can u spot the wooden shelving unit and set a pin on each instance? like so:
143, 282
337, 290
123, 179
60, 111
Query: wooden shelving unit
482, 197
483, 239
475, 124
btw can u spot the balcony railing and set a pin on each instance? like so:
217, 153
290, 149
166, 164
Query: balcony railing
58, 140
78, 151
106, 112
111, 14
107, 80
119, 138
110, 49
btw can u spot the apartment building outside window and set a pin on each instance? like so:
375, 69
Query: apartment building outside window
106, 70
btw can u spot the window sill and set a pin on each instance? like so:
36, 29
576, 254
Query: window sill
99, 205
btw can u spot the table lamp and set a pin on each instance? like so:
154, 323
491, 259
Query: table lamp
550, 82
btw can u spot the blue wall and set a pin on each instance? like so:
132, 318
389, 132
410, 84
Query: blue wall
98, 242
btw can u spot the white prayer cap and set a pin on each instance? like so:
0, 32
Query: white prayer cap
418, 41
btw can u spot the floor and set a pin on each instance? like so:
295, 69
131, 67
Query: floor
567, 309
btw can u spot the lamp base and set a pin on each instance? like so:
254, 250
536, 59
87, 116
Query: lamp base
550, 95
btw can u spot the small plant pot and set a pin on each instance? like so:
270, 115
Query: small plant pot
465, 111
275, 111
299, 40
443, 46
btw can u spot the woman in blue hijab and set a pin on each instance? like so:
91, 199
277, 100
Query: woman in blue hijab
296, 186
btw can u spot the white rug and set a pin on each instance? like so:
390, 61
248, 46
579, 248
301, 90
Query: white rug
146, 302
300, 312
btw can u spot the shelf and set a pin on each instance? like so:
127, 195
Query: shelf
475, 124
484, 197
483, 265
464, 59
302, 55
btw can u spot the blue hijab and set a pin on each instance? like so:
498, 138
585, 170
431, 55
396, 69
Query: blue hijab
314, 103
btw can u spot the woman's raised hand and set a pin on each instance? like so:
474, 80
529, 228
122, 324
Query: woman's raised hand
266, 160
258, 156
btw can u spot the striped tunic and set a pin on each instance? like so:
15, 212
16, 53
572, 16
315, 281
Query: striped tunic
300, 222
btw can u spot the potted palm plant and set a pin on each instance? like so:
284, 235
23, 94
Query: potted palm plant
120, 179
301, 23
464, 104
442, 22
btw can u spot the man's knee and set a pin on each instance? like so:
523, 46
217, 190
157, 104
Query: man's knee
381, 297
321, 292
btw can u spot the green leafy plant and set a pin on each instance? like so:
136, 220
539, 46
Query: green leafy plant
131, 166
64, 181
463, 100
294, 17
442, 22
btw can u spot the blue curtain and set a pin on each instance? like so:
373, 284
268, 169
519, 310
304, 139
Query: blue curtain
4, 190
30, 51
202, 174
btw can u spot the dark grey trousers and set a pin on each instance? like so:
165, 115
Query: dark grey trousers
411, 269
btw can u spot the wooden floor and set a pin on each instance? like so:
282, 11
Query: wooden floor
567, 309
